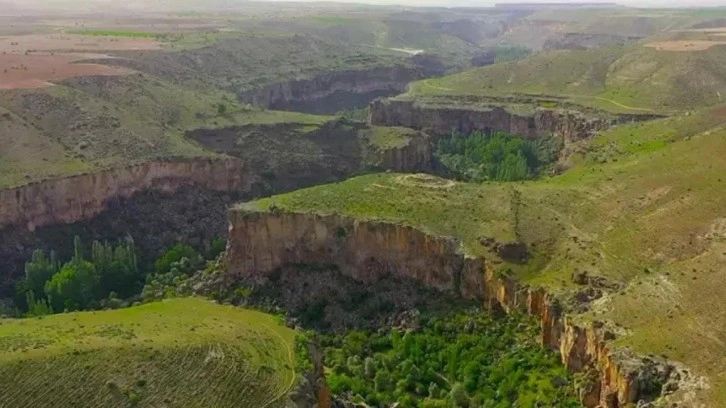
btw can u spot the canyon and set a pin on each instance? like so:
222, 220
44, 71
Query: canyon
334, 91
262, 242
570, 124
162, 202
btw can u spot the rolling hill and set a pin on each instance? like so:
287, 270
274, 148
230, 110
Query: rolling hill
181, 352
634, 78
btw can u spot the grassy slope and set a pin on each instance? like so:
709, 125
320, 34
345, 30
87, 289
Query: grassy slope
242, 62
90, 123
651, 217
621, 79
181, 352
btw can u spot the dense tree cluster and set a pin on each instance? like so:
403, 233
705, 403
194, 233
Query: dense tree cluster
110, 275
79, 283
465, 360
495, 157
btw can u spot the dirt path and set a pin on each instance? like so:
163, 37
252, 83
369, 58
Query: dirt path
621, 105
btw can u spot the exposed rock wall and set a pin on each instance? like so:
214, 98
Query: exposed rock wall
80, 197
316, 95
166, 202
569, 125
261, 242
415, 156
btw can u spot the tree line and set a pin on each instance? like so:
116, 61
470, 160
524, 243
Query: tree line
499, 156
98, 278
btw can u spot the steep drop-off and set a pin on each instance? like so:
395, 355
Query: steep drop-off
160, 203
261, 243
76, 198
335, 91
440, 120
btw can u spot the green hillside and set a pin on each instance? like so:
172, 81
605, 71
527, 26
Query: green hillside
634, 79
641, 208
91, 123
182, 352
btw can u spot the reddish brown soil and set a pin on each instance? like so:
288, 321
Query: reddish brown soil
20, 71
32, 61
74, 42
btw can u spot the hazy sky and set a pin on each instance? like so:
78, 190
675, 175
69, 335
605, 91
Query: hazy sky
484, 3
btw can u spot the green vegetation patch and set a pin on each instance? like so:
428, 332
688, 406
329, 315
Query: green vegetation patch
181, 352
114, 33
499, 156
462, 360
627, 79
385, 138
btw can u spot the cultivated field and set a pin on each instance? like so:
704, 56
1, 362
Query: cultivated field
176, 353
33, 61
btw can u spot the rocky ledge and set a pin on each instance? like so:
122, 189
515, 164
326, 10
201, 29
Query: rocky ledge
262, 242
569, 124
80, 197
331, 92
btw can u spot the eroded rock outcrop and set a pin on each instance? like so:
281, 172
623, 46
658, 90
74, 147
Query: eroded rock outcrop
441, 120
80, 197
160, 203
333, 91
262, 242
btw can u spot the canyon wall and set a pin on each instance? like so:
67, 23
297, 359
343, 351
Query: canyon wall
335, 91
75, 198
415, 156
261, 242
162, 203
570, 125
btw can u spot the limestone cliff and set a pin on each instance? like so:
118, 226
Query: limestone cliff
318, 94
568, 124
261, 242
416, 155
80, 197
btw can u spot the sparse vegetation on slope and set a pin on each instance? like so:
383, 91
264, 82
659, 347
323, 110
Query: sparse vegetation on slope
634, 79
181, 352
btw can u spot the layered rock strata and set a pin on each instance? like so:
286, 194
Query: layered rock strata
300, 93
71, 199
261, 242
442, 120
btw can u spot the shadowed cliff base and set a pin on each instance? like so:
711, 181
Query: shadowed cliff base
320, 297
333, 103
155, 220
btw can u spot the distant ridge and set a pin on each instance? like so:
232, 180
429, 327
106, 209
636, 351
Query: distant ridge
539, 6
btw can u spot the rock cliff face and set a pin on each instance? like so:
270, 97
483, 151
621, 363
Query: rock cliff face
415, 156
76, 198
161, 203
261, 242
569, 125
332, 92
